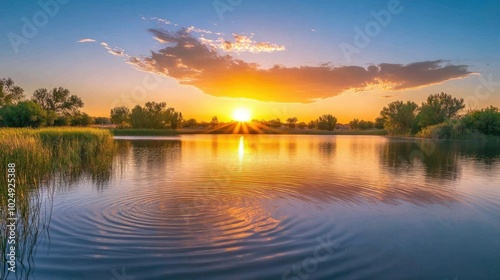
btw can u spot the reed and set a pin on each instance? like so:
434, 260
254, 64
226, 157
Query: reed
42, 155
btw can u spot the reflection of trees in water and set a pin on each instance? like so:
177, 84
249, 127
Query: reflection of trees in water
439, 159
327, 149
155, 155
485, 152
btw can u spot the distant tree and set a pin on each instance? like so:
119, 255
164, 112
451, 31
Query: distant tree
215, 121
176, 120
191, 123
301, 125
312, 124
10, 94
23, 114
61, 120
58, 100
275, 123
379, 123
291, 122
399, 117
327, 122
364, 125
102, 120
438, 108
120, 116
81, 119
354, 124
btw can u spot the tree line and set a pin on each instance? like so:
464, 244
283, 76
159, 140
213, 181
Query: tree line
56, 107
439, 116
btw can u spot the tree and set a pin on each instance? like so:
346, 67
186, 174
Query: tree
291, 122
301, 125
438, 108
215, 121
81, 119
10, 94
275, 123
58, 100
102, 120
327, 122
190, 123
24, 114
312, 124
364, 125
486, 120
399, 117
154, 115
120, 116
379, 123
354, 124
176, 120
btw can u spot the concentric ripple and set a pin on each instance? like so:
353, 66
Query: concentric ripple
284, 207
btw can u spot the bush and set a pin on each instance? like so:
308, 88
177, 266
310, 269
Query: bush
486, 121
23, 114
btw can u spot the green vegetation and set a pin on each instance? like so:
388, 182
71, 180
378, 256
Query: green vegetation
439, 118
41, 155
56, 107
153, 115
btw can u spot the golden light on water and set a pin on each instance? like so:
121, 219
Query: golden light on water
241, 148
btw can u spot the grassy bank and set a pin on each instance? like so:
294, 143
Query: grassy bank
40, 155
143, 132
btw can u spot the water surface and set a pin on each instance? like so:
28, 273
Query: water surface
280, 207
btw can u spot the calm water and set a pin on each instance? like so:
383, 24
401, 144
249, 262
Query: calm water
280, 207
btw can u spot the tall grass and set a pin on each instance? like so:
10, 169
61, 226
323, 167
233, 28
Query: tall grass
42, 155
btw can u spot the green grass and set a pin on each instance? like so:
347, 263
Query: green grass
40, 155
143, 132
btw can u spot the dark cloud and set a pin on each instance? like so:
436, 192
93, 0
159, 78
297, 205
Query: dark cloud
192, 62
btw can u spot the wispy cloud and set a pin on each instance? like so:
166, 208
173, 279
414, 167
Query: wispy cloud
242, 43
196, 62
86, 40
115, 51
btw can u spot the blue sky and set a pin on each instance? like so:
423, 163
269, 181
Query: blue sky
457, 32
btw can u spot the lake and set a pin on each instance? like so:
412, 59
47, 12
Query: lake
277, 207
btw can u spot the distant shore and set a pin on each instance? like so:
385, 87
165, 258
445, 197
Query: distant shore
295, 131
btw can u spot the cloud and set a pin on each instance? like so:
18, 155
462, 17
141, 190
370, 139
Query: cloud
115, 51
86, 40
199, 30
242, 43
192, 62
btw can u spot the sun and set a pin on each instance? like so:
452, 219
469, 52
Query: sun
241, 115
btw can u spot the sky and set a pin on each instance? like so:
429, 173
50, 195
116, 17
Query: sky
278, 59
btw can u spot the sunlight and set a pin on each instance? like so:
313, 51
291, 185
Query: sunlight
241, 148
241, 115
